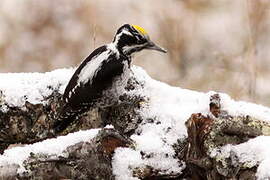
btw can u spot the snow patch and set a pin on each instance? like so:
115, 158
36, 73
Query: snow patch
263, 172
124, 161
54, 146
251, 153
163, 124
240, 108
18, 88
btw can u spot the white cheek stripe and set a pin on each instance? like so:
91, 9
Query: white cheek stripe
128, 48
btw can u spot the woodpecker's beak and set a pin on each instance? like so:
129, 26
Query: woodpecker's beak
153, 46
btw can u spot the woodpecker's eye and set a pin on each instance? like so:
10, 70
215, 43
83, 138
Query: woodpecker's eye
132, 38
139, 38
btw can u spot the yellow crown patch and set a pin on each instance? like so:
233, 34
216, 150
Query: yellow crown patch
140, 29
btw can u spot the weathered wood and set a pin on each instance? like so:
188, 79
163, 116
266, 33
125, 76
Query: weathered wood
84, 160
208, 132
33, 122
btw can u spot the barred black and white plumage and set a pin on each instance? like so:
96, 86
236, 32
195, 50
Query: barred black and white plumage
105, 68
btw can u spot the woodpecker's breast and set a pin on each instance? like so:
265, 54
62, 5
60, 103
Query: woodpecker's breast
115, 84
120, 82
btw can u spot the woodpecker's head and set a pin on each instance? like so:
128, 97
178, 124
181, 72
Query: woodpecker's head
132, 38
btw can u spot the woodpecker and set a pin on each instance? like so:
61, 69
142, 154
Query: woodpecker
102, 72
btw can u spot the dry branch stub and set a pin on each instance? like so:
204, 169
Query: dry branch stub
209, 133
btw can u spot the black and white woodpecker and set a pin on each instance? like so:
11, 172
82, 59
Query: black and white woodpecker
102, 72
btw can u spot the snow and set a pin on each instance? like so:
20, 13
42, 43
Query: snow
32, 87
124, 160
263, 172
164, 123
164, 116
238, 108
54, 146
251, 153
168, 109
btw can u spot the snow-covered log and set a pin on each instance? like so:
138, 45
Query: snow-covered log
80, 155
159, 132
213, 139
30, 104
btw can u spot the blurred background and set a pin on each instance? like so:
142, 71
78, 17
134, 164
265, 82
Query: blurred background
220, 45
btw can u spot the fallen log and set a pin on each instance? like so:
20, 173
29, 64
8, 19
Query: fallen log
159, 132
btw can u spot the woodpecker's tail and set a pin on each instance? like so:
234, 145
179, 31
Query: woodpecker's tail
66, 117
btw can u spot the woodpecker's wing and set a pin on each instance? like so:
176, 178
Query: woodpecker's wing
74, 79
95, 74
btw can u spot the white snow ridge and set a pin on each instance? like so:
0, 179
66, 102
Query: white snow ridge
32, 87
54, 146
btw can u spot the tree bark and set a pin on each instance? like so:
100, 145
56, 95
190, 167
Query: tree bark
84, 160
214, 131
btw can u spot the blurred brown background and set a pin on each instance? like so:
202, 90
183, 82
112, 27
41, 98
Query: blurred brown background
220, 45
